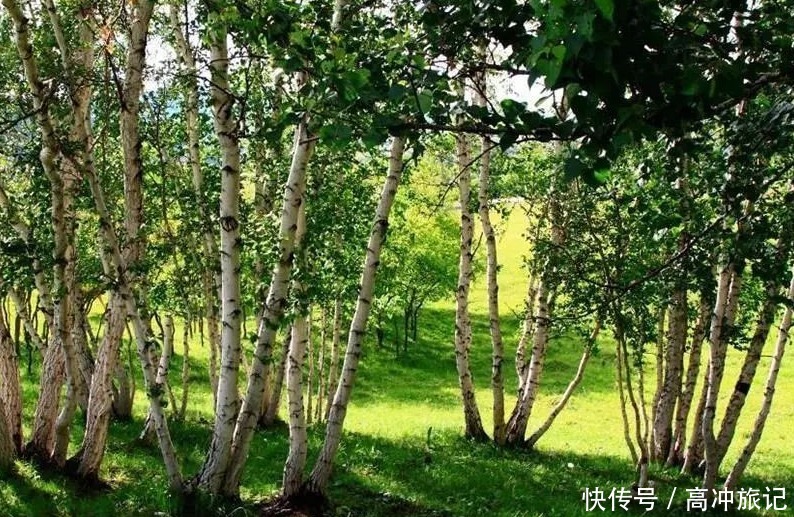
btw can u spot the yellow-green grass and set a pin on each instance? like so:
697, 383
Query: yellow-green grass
386, 464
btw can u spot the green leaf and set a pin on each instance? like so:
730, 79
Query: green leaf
336, 134
573, 168
507, 140
512, 109
374, 137
607, 8
425, 100
397, 91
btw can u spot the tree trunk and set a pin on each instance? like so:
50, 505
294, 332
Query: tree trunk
517, 424
27, 321
52, 377
720, 328
497, 355
619, 373
227, 404
321, 473
310, 360
735, 405
318, 415
100, 398
123, 391
736, 472
676, 455
577, 378
333, 368
274, 307
273, 405
527, 333
211, 279
463, 333
11, 409
148, 433
300, 341
693, 457
187, 334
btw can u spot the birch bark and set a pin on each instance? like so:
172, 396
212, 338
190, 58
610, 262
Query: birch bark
321, 473
738, 468
463, 334
227, 400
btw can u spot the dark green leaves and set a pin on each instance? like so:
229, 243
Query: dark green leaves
606, 7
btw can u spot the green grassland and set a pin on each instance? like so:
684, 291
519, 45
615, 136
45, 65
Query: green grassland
387, 466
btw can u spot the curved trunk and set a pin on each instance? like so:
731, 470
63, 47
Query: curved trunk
517, 425
274, 308
577, 378
619, 373
148, 433
527, 332
519, 418
743, 460
321, 473
333, 368
42, 439
736, 403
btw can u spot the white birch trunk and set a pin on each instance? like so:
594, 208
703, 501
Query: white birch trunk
10, 394
274, 307
575, 381
212, 278
463, 334
718, 351
101, 395
519, 418
527, 333
228, 400
299, 342
676, 455
321, 473
333, 368
735, 405
738, 468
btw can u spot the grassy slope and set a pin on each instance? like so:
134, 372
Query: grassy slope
385, 466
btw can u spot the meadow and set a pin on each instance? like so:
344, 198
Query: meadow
403, 454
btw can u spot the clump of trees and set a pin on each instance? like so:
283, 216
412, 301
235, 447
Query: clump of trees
212, 162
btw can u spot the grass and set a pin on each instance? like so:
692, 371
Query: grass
386, 466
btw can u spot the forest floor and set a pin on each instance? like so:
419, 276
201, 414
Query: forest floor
387, 466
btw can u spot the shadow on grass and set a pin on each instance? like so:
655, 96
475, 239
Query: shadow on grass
374, 477
457, 477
